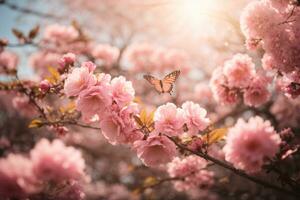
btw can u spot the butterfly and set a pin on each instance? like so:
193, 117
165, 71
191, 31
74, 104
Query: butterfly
166, 84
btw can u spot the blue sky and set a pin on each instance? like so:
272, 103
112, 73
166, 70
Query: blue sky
14, 19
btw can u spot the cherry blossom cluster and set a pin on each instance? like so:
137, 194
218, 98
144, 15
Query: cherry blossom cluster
237, 79
50, 165
105, 54
250, 144
110, 101
282, 44
191, 173
170, 121
144, 56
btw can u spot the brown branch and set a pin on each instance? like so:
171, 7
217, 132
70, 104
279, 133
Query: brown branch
234, 170
31, 98
29, 11
48, 123
159, 182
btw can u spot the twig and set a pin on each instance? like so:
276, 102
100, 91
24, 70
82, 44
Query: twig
31, 98
159, 182
29, 11
70, 123
234, 170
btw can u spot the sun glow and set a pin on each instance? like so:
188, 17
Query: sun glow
194, 14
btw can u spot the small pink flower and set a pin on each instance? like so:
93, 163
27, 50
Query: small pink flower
106, 54
257, 93
248, 144
78, 80
118, 126
93, 101
169, 120
191, 170
155, 150
16, 178
66, 60
53, 161
8, 61
239, 70
122, 91
45, 85
90, 65
196, 119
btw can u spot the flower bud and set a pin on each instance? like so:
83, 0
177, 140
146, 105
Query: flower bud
45, 86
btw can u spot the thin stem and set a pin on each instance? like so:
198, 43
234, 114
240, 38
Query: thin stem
28, 11
159, 182
70, 123
234, 170
31, 98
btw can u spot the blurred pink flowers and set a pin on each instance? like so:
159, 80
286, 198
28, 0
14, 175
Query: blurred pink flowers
53, 161
155, 150
257, 93
16, 177
192, 172
248, 144
239, 70
8, 61
23, 105
57, 33
106, 54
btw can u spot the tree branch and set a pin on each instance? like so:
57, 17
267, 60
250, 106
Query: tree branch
234, 170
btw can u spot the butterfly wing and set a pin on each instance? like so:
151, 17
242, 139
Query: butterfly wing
169, 80
155, 82
138, 121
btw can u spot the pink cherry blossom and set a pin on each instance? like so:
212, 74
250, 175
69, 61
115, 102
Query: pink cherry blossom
118, 126
8, 61
57, 33
169, 119
78, 80
196, 119
53, 161
257, 93
155, 150
45, 85
16, 178
122, 91
249, 143
192, 171
239, 70
90, 65
66, 60
106, 54
221, 92
93, 101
